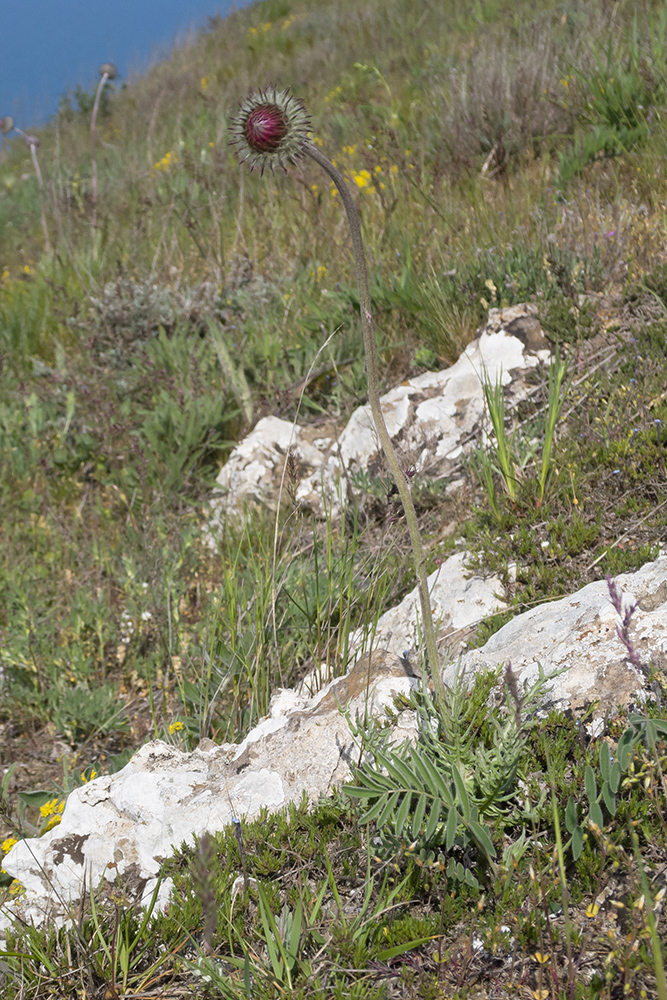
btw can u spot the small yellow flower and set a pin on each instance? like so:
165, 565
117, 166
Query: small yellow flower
362, 178
314, 188
350, 150
393, 169
592, 910
175, 727
7, 844
203, 83
52, 808
165, 163
378, 169
541, 958
4, 275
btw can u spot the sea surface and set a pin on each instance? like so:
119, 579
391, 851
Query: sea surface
51, 46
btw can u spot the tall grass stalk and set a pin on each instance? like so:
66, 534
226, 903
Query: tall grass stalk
495, 402
557, 373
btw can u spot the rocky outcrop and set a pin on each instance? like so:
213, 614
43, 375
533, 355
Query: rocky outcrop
124, 825
576, 639
433, 420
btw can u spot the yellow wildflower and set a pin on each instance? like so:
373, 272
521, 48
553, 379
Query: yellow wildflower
52, 810
7, 844
175, 727
50, 807
362, 179
203, 83
166, 162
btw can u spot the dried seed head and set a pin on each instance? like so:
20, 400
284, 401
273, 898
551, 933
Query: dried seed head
270, 129
6, 124
109, 70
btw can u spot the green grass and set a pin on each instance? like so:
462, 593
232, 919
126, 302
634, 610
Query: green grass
499, 153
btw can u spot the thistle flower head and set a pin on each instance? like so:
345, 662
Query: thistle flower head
6, 125
108, 70
270, 129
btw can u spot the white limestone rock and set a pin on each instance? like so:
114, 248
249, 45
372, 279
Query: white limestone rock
460, 599
432, 419
254, 470
125, 824
577, 637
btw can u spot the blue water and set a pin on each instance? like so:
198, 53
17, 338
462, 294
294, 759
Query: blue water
50, 46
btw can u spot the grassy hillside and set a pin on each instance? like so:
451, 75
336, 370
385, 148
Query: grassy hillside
498, 153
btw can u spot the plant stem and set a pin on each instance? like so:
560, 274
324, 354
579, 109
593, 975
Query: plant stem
557, 373
93, 120
378, 417
32, 143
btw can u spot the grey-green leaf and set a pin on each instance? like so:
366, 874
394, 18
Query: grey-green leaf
450, 829
402, 814
418, 818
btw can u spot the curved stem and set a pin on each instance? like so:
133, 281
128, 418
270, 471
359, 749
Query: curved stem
32, 143
93, 120
378, 417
